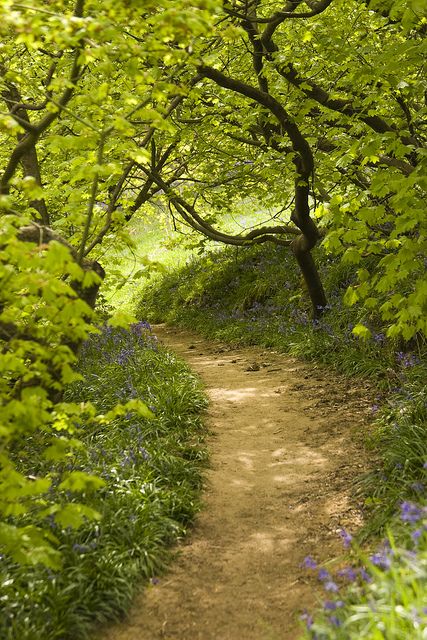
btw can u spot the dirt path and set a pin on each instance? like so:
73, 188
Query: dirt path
278, 489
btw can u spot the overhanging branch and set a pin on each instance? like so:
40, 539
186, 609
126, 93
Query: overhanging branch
190, 215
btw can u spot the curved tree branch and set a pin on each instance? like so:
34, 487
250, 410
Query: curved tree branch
299, 143
190, 215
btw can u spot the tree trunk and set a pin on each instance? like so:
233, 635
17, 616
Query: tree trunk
302, 246
311, 276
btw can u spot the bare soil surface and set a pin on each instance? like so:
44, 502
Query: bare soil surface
284, 454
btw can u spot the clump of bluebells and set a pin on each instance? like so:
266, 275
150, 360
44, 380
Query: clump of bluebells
117, 344
151, 468
380, 595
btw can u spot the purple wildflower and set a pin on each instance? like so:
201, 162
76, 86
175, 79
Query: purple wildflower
348, 573
364, 575
308, 619
144, 453
381, 560
81, 548
332, 605
309, 563
379, 337
417, 534
346, 538
409, 512
334, 621
323, 574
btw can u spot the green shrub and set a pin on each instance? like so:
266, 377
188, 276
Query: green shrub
152, 471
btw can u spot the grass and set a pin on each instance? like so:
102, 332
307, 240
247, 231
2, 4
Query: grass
152, 469
255, 296
151, 248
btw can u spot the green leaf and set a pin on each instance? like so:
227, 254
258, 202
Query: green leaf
75, 515
29, 545
80, 481
351, 296
361, 331
61, 447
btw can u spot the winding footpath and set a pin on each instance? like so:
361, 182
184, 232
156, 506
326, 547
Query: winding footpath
283, 458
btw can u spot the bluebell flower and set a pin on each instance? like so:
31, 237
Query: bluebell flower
364, 575
331, 586
379, 338
409, 512
346, 538
348, 573
332, 605
323, 574
308, 619
144, 453
381, 560
81, 548
309, 563
416, 535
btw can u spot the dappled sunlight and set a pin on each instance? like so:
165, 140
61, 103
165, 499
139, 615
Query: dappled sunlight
247, 461
268, 541
234, 395
242, 484
279, 452
307, 456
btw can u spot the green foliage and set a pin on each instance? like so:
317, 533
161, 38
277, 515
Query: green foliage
119, 108
401, 440
41, 316
149, 468
109, 106
351, 80
82, 85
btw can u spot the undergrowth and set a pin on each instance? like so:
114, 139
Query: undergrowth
152, 471
380, 596
255, 296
